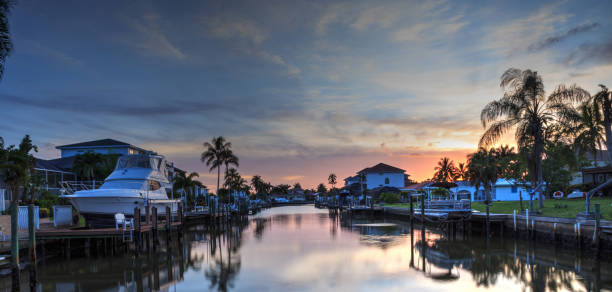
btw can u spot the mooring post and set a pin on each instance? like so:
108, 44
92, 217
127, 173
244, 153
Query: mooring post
597, 227
137, 230
411, 214
527, 222
147, 214
514, 222
423, 210
168, 223
154, 212
554, 235
488, 221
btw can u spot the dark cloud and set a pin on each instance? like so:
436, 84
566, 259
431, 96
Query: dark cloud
253, 107
550, 41
591, 52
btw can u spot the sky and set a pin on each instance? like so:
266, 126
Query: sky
302, 89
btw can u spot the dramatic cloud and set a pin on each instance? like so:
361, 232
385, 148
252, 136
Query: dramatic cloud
300, 88
550, 41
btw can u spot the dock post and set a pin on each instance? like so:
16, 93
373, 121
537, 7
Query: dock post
423, 210
554, 234
411, 214
168, 223
154, 227
597, 228
514, 222
32, 246
137, 230
87, 247
527, 222
488, 223
147, 214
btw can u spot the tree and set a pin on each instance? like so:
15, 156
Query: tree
331, 179
461, 172
6, 44
297, 186
214, 155
185, 183
86, 165
321, 189
525, 108
229, 159
281, 189
602, 103
259, 185
445, 171
17, 165
483, 171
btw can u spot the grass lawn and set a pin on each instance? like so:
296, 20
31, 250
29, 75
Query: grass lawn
573, 207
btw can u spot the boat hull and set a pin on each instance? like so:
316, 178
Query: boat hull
100, 211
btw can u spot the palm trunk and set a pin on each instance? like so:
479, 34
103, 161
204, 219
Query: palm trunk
538, 150
607, 111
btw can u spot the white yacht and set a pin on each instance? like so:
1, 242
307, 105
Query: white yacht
137, 181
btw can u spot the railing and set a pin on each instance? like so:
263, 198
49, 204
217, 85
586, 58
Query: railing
447, 204
69, 187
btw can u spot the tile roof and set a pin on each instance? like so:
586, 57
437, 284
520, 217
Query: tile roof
382, 168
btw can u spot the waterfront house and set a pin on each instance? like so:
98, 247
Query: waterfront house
103, 146
379, 175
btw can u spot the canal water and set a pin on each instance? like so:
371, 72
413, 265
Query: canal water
301, 248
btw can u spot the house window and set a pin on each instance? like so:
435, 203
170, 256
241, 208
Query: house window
514, 189
386, 180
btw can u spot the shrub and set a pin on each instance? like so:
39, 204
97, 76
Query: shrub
43, 212
390, 198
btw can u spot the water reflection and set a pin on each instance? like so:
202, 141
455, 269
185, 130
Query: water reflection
305, 249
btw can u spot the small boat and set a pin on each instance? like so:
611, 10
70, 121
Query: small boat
137, 181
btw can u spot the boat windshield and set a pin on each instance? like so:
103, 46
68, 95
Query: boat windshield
139, 161
133, 184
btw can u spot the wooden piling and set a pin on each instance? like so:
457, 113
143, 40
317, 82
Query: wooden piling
154, 227
148, 214
596, 232
411, 214
168, 224
137, 225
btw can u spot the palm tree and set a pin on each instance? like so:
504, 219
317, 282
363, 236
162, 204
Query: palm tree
321, 188
602, 102
461, 171
229, 159
483, 171
185, 183
87, 164
17, 165
445, 171
214, 156
331, 179
588, 129
6, 45
525, 108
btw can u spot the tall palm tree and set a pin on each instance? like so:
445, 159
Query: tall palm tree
602, 101
331, 179
214, 155
6, 45
229, 159
525, 108
446, 170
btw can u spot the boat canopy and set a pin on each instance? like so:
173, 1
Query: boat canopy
141, 161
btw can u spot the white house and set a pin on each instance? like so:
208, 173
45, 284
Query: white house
503, 190
104, 146
383, 175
